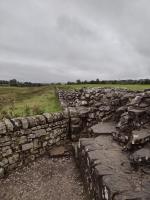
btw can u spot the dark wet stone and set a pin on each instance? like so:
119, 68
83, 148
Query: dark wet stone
141, 157
140, 137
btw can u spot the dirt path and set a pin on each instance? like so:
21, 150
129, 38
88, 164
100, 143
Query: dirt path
46, 179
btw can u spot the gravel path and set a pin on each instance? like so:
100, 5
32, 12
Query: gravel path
46, 179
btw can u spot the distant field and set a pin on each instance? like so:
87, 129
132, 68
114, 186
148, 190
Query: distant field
25, 101
128, 86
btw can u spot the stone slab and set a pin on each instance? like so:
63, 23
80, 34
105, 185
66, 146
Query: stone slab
107, 171
103, 128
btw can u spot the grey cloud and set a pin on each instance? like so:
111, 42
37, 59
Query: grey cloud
64, 40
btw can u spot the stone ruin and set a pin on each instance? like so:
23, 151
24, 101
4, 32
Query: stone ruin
110, 133
113, 152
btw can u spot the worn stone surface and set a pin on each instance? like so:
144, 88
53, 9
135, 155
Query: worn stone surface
103, 128
107, 171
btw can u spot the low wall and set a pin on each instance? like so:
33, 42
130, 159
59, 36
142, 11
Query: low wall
22, 140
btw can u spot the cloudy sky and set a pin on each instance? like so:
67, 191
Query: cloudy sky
65, 40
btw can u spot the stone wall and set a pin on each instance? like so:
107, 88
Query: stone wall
22, 140
86, 107
90, 106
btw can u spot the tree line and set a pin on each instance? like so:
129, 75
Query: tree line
97, 81
14, 82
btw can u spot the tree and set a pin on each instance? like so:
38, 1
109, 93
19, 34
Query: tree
13, 82
97, 80
78, 81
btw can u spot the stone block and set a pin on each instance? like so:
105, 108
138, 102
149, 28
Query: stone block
6, 151
9, 125
22, 139
13, 158
40, 133
24, 122
2, 128
27, 146
3, 162
49, 117
2, 172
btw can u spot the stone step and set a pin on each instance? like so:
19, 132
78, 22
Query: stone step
107, 172
103, 128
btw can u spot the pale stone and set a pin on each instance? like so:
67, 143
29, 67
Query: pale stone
9, 125
13, 158
2, 128
2, 172
40, 132
25, 124
27, 146
22, 139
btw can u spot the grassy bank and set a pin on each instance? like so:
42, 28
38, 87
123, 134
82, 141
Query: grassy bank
24, 101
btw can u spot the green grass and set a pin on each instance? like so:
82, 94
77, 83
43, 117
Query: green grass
127, 86
23, 101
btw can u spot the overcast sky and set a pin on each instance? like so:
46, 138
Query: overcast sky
65, 40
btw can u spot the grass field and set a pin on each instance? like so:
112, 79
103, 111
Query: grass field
128, 86
24, 101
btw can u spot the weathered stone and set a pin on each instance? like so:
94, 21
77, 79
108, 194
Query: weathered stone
140, 137
31, 121
49, 117
103, 128
7, 151
17, 123
41, 119
24, 122
27, 146
5, 139
3, 162
84, 103
2, 128
107, 172
13, 158
40, 133
141, 157
72, 112
36, 143
9, 125
2, 172
121, 136
22, 139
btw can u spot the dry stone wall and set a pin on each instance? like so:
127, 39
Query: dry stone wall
90, 106
129, 109
22, 140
